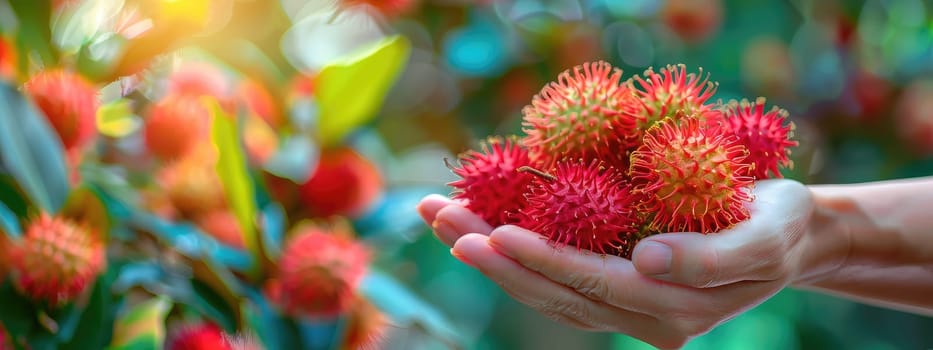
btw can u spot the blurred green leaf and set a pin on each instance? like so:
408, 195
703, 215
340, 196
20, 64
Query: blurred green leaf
35, 31
18, 313
405, 308
9, 222
31, 151
214, 306
143, 326
351, 91
116, 119
100, 310
83, 204
275, 331
273, 230
233, 173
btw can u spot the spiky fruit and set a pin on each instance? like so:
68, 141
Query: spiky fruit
672, 93
583, 204
69, 102
192, 184
56, 260
318, 273
200, 336
223, 226
690, 177
7, 59
367, 327
764, 134
344, 183
176, 124
585, 114
244, 341
490, 181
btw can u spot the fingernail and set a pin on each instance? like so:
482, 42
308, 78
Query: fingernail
652, 258
462, 258
443, 228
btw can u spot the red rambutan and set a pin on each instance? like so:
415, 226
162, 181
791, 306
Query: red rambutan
259, 101
585, 114
198, 79
201, 336
914, 117
175, 125
69, 102
490, 181
764, 134
690, 177
344, 183
56, 260
192, 184
693, 20
319, 273
582, 204
4, 339
672, 93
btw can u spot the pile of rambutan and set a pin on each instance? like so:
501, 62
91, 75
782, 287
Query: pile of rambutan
605, 162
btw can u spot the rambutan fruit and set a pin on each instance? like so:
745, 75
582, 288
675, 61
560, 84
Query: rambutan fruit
176, 124
914, 117
367, 327
585, 114
343, 183
764, 134
583, 204
490, 181
192, 184
672, 93
57, 260
8, 59
69, 102
245, 341
690, 176
223, 226
199, 336
319, 273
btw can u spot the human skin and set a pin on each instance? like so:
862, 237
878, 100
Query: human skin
869, 242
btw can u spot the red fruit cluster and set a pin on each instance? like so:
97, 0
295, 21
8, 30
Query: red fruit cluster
319, 272
69, 102
57, 260
343, 183
200, 336
605, 162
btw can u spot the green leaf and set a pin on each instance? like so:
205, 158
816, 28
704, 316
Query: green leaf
18, 316
351, 90
31, 152
233, 173
93, 329
116, 119
405, 308
213, 305
35, 33
143, 326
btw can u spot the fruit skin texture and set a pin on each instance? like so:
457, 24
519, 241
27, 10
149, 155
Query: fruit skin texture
585, 114
344, 183
764, 134
69, 103
582, 204
176, 124
689, 175
202, 336
318, 273
672, 93
56, 260
490, 181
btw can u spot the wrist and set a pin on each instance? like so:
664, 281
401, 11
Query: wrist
827, 242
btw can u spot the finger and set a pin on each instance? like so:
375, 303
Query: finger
454, 221
610, 279
753, 250
548, 297
430, 205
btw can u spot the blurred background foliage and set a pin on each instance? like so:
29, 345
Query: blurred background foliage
856, 77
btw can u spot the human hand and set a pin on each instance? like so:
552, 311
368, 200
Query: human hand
677, 286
